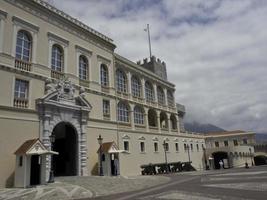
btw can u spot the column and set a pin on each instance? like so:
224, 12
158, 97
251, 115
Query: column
169, 122
178, 123
129, 78
165, 96
132, 116
146, 119
143, 88
83, 149
155, 92
158, 122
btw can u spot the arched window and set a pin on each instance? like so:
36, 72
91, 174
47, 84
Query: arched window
136, 87
173, 122
152, 118
138, 115
123, 112
149, 92
57, 58
163, 120
121, 81
104, 75
161, 97
23, 46
170, 98
83, 67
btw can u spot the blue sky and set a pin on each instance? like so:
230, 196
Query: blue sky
215, 51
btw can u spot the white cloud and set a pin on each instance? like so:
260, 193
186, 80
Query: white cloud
215, 50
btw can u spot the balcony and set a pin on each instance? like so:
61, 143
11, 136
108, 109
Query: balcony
23, 65
21, 103
84, 83
56, 74
105, 89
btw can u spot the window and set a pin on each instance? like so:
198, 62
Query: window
225, 143
185, 147
126, 145
149, 92
156, 147
176, 146
245, 141
104, 75
83, 68
20, 161
170, 98
191, 146
23, 46
235, 142
106, 108
142, 147
21, 89
123, 112
121, 81
136, 87
161, 97
197, 147
173, 122
163, 120
57, 58
152, 118
217, 144
138, 115
167, 146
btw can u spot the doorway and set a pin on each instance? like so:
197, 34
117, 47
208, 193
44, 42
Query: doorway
35, 170
220, 156
65, 164
114, 164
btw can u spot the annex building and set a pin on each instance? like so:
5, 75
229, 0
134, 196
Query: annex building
61, 78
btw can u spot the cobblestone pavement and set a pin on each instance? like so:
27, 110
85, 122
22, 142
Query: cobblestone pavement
228, 184
82, 187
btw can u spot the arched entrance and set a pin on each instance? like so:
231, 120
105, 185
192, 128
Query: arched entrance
65, 164
218, 156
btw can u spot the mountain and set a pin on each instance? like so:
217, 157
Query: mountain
261, 138
202, 128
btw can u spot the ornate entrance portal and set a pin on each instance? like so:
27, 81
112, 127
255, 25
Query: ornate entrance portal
65, 115
65, 164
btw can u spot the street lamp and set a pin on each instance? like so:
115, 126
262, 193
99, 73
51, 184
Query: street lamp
165, 149
100, 141
52, 139
251, 157
188, 151
205, 158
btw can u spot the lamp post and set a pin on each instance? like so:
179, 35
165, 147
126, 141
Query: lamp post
188, 151
100, 141
51, 174
166, 161
205, 158
251, 157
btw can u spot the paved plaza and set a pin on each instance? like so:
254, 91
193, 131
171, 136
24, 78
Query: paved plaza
230, 184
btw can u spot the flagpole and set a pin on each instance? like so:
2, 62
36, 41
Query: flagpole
149, 42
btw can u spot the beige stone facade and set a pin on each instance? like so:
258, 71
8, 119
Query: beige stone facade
60, 77
34, 112
235, 147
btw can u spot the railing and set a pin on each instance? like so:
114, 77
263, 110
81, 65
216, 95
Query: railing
106, 116
105, 89
21, 103
84, 83
56, 74
23, 65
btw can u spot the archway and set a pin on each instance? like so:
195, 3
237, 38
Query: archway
218, 156
65, 164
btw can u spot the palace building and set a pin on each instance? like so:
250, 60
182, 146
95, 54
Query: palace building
61, 79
